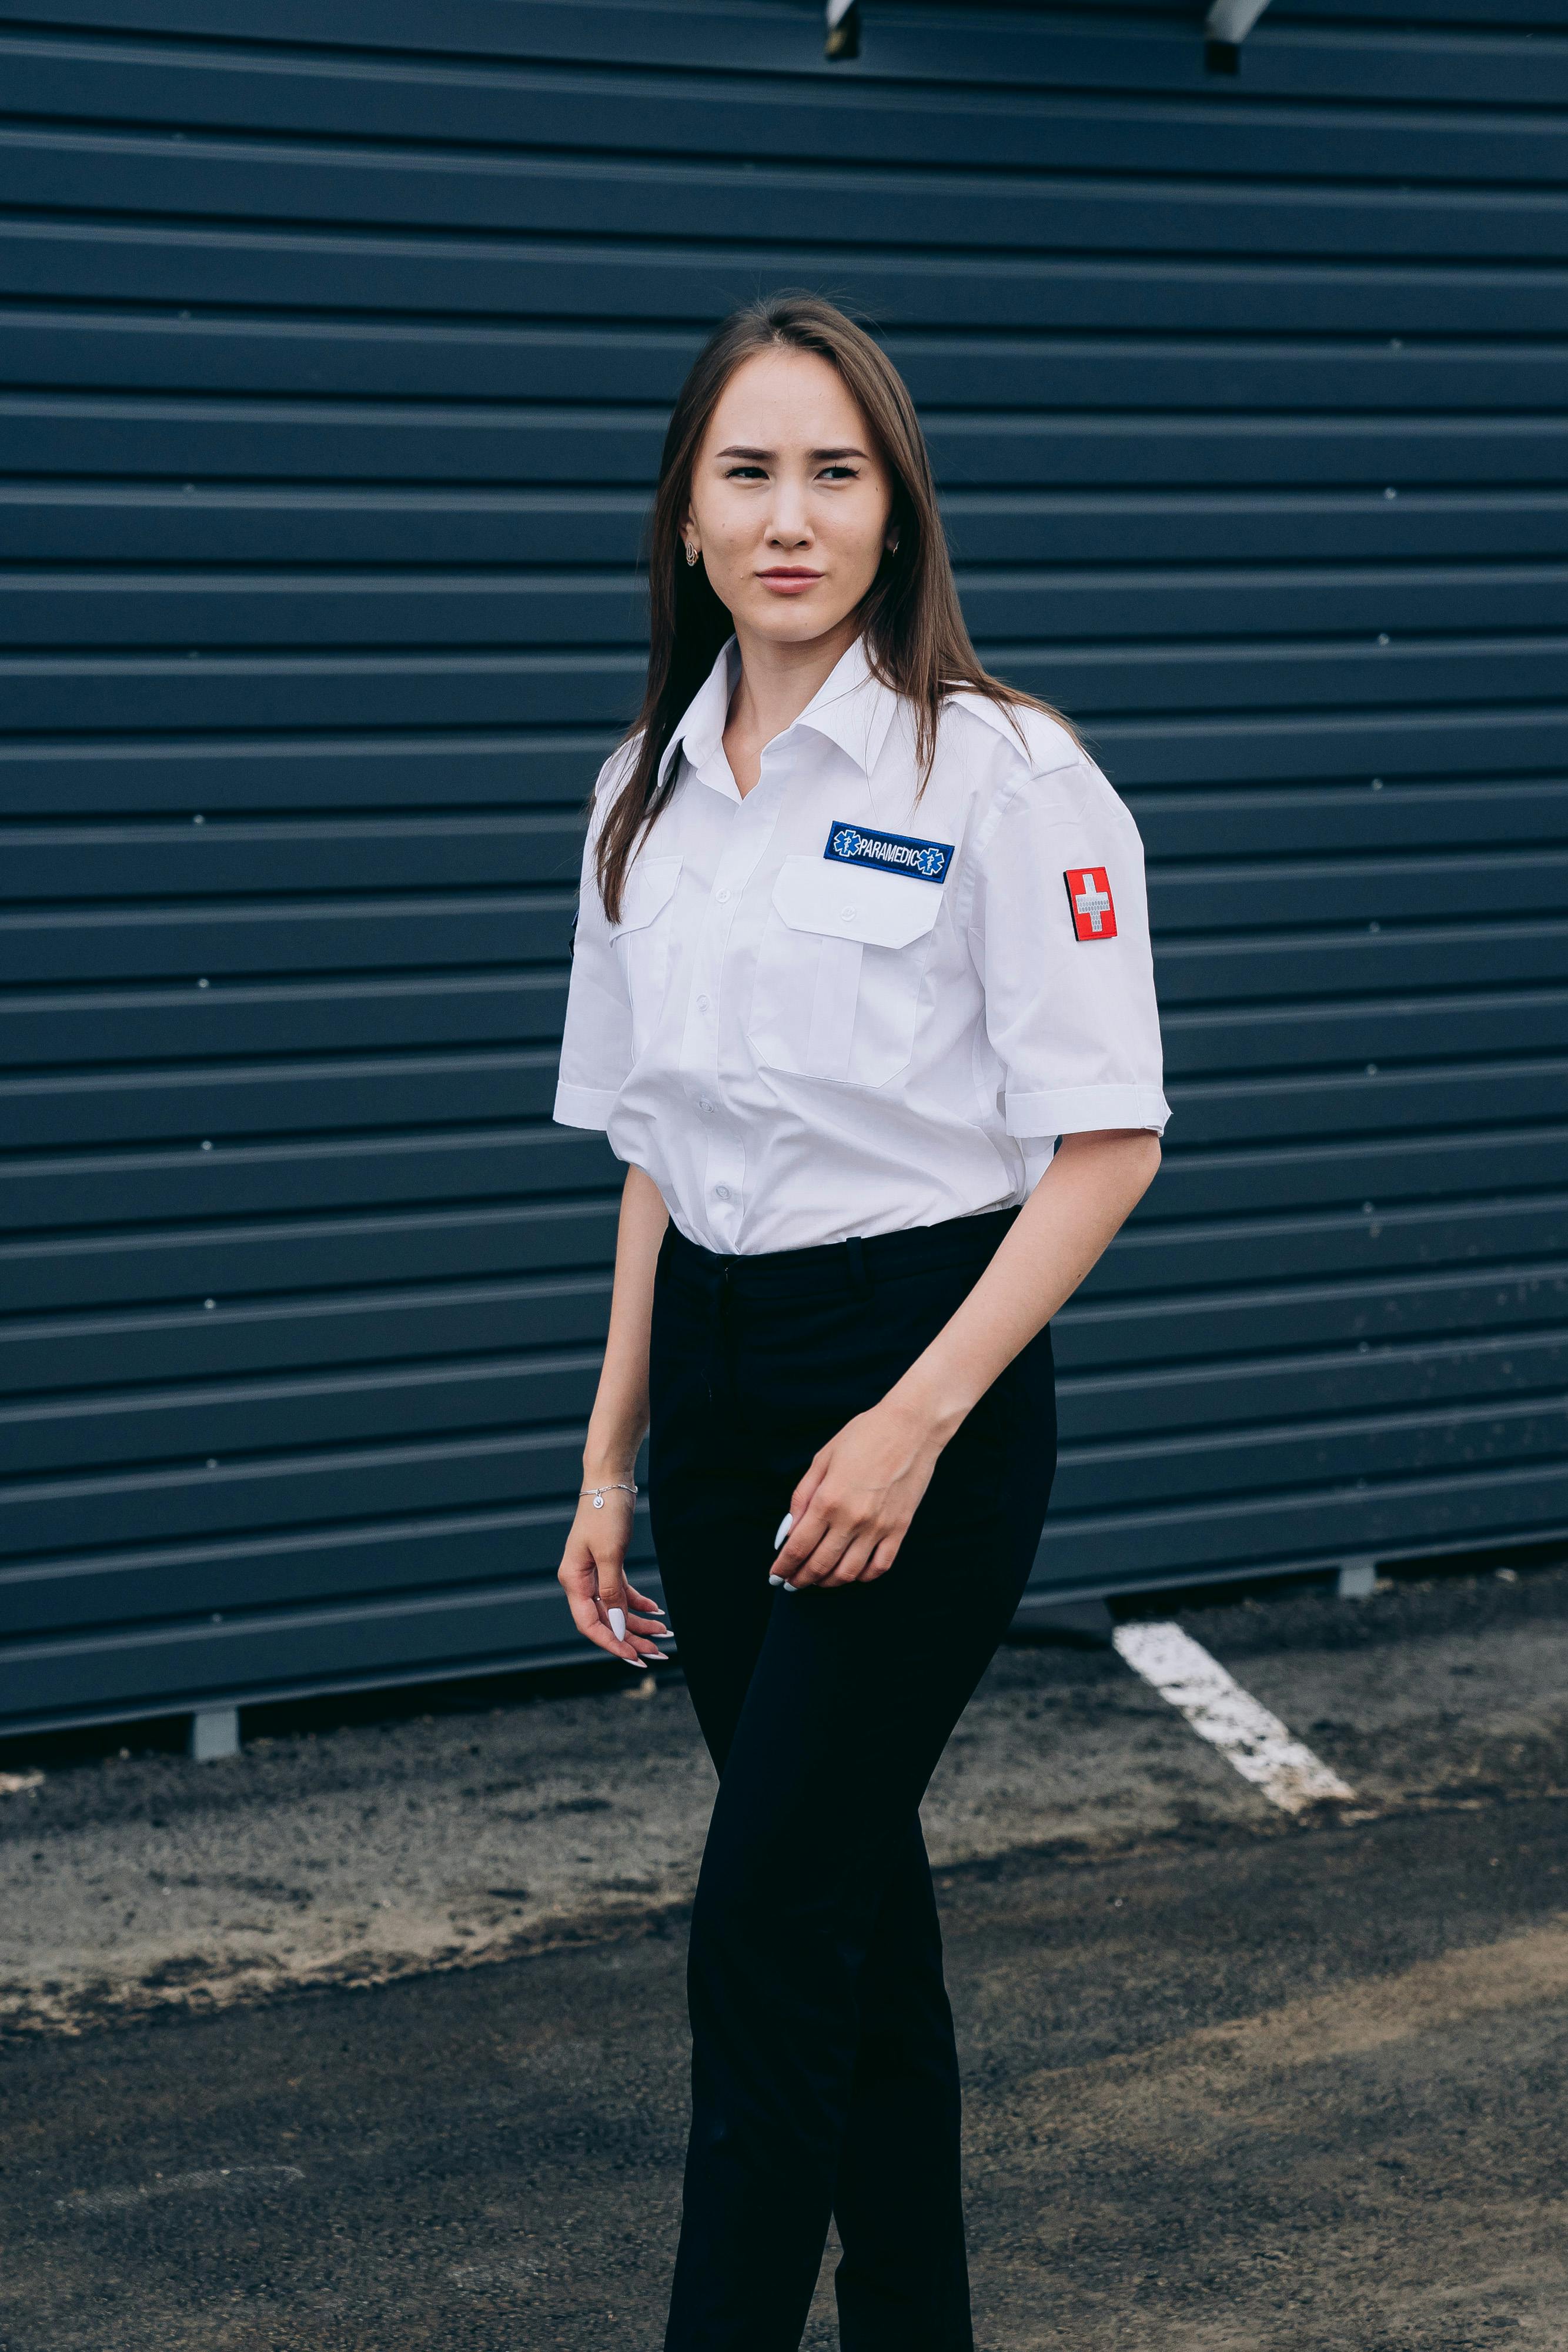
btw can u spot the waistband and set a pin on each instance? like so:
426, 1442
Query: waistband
854, 1266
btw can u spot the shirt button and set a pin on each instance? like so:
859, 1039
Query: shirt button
847, 914
704, 1103
723, 896
721, 1191
702, 1004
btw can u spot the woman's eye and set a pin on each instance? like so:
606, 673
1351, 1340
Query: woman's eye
744, 474
841, 473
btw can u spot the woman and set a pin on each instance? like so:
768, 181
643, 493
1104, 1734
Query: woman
862, 993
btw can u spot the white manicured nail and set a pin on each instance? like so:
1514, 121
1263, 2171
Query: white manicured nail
776, 1579
785, 1524
617, 1622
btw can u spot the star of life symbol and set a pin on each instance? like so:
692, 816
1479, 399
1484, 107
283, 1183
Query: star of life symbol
888, 853
1088, 896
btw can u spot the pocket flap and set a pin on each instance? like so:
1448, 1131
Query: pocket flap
885, 910
647, 891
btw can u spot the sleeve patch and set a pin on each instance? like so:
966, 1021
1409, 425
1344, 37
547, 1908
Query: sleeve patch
1090, 902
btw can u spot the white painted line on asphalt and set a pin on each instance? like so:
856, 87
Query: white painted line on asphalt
1259, 1745
176, 2184
12, 1784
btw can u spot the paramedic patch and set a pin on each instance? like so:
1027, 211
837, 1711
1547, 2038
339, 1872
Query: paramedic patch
895, 853
1088, 896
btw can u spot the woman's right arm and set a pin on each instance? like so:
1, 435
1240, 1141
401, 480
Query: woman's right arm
592, 1572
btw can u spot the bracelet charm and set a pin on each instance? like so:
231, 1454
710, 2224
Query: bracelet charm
625, 1485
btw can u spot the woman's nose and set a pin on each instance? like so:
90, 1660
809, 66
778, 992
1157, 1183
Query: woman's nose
787, 523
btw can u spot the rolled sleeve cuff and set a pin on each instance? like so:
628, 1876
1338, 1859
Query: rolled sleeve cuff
1082, 1110
583, 1105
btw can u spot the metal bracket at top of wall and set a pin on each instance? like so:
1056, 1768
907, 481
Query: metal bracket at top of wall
844, 30
1225, 28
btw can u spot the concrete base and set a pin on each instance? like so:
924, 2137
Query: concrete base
215, 1732
1087, 1622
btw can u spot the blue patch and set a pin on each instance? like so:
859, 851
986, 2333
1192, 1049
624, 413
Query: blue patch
894, 853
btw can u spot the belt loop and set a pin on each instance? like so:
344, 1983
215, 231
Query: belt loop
724, 1306
859, 1278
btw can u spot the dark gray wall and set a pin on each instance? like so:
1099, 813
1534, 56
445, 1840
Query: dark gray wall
337, 340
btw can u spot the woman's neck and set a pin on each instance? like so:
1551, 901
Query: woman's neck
776, 684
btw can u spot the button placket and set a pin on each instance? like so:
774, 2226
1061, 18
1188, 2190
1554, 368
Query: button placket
699, 1043
750, 828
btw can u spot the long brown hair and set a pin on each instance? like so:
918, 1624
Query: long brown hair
915, 639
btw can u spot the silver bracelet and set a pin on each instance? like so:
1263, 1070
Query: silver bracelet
609, 1486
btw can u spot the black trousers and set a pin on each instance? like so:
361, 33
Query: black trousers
824, 2078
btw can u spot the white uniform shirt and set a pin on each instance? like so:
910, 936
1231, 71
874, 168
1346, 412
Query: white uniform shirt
830, 1009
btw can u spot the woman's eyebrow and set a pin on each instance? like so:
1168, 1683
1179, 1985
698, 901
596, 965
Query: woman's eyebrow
817, 456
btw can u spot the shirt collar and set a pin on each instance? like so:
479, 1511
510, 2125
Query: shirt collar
851, 707
701, 727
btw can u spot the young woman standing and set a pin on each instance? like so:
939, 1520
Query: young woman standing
862, 993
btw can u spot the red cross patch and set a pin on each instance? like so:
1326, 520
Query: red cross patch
1088, 896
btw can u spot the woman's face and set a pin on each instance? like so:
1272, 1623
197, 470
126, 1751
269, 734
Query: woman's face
790, 501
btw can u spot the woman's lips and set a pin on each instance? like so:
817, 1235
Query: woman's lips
786, 582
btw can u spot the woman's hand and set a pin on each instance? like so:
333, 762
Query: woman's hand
855, 1501
592, 1574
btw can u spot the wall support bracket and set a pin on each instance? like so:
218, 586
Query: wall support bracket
844, 30
1225, 28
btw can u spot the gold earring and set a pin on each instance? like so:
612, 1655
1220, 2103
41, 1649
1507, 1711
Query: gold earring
691, 553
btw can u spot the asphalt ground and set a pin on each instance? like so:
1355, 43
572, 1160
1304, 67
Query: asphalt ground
398, 2058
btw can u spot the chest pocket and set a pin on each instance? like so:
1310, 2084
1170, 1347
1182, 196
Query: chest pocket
642, 940
839, 969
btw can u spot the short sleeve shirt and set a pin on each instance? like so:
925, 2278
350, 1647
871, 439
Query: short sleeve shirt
844, 1003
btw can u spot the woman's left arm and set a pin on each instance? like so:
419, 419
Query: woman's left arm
855, 1502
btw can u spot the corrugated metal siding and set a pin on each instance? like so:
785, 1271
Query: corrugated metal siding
337, 340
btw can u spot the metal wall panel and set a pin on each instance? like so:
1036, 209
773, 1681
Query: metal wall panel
336, 343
